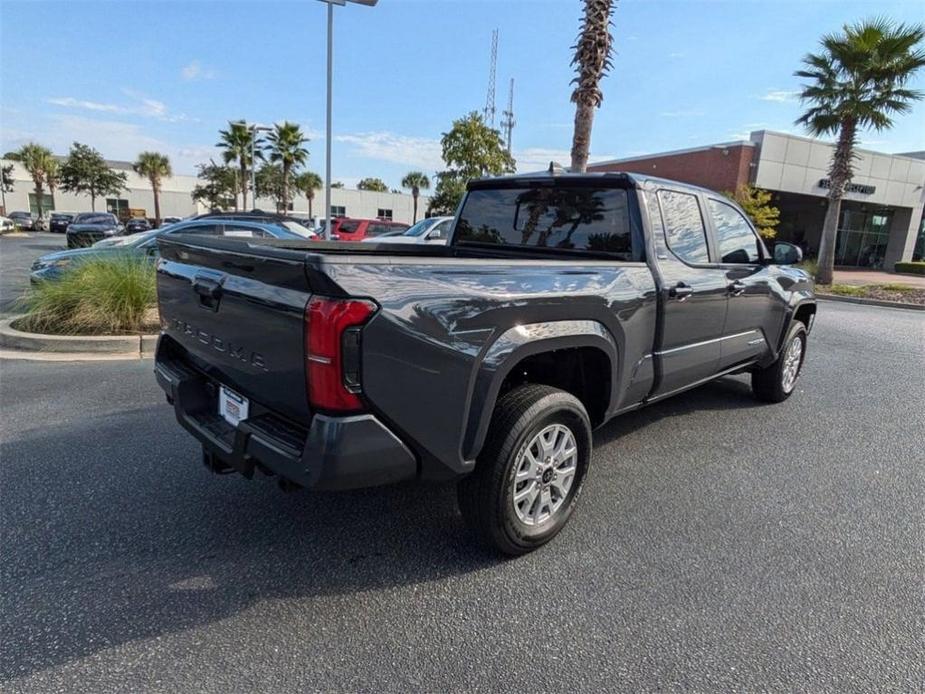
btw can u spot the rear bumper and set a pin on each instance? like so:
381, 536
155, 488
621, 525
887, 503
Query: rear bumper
333, 453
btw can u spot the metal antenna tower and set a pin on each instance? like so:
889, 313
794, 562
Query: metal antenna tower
489, 113
507, 117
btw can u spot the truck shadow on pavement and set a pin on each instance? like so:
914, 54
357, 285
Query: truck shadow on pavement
119, 534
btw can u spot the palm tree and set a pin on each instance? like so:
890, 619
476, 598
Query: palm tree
285, 147
155, 167
307, 183
237, 146
41, 165
416, 181
857, 81
592, 58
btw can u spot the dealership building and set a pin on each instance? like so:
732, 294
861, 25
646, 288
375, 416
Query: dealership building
881, 216
176, 199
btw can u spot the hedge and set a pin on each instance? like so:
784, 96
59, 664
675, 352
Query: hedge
914, 268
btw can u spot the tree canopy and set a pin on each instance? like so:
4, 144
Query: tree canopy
85, 172
377, 185
218, 186
470, 149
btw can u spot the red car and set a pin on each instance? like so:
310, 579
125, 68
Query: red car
349, 229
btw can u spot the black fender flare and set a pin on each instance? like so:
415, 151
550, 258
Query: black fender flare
792, 311
500, 357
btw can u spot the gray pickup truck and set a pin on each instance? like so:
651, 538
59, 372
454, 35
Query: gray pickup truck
559, 302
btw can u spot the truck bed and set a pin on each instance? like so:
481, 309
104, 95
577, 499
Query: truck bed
447, 318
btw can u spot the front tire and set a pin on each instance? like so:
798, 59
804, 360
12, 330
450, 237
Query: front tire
529, 476
776, 382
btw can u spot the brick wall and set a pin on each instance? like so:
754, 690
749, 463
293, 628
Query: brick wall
718, 168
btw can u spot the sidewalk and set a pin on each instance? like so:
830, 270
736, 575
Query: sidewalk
859, 277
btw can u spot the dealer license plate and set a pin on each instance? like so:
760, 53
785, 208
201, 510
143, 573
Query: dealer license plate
231, 406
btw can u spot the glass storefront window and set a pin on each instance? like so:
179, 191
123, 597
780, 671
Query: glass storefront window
862, 238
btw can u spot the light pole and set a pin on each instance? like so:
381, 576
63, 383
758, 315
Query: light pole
254, 130
328, 129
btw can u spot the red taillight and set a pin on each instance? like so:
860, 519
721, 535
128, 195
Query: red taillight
332, 351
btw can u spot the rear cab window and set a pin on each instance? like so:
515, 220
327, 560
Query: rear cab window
591, 219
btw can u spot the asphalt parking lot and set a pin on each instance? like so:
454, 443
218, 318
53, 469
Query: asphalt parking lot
16, 255
720, 545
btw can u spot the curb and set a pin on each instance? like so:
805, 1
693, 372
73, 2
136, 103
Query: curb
870, 302
118, 346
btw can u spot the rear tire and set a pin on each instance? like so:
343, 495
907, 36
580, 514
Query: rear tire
530, 472
776, 382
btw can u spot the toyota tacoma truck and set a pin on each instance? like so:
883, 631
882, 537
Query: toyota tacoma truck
560, 301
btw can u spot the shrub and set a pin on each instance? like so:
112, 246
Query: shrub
915, 268
810, 265
100, 297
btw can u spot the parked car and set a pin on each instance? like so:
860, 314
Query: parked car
560, 302
433, 230
53, 265
23, 220
349, 229
294, 224
59, 222
6, 224
137, 225
87, 228
170, 220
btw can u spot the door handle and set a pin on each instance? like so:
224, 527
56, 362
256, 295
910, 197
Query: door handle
680, 291
736, 288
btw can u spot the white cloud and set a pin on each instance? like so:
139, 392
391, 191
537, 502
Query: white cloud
779, 95
675, 55
195, 71
420, 152
114, 139
139, 105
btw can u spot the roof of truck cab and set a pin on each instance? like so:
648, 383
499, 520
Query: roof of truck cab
636, 179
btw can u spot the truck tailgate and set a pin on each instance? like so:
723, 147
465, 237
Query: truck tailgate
235, 309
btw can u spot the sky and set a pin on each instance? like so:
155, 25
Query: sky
131, 76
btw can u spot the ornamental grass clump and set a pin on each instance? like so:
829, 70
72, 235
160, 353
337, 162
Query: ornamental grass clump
99, 297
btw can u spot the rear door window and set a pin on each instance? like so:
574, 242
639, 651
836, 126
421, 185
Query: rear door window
579, 218
211, 229
244, 231
737, 241
379, 229
684, 228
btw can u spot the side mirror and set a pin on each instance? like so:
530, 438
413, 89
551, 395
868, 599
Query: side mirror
787, 254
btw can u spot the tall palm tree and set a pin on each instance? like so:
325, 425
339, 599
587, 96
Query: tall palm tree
285, 147
307, 183
416, 181
237, 146
155, 167
41, 165
856, 82
592, 58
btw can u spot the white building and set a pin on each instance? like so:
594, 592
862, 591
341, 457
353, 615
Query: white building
176, 199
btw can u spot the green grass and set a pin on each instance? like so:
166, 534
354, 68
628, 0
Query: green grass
99, 297
843, 289
895, 287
